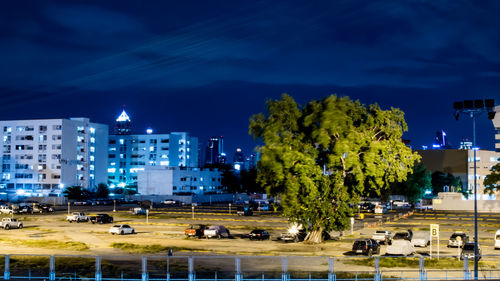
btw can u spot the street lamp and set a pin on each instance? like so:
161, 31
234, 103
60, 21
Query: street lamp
474, 108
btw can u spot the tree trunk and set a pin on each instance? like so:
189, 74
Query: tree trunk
315, 236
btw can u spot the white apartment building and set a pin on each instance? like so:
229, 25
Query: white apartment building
158, 180
42, 157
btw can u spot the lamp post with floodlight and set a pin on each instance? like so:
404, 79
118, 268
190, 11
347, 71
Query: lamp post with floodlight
474, 108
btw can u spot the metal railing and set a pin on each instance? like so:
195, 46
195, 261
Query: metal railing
240, 268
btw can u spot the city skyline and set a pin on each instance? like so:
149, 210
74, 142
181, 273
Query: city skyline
205, 68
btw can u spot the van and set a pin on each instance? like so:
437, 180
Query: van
497, 240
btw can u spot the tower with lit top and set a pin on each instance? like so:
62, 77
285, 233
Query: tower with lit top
123, 124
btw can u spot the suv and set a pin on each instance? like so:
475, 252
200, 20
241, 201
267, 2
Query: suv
468, 250
101, 218
366, 247
458, 239
407, 235
7, 210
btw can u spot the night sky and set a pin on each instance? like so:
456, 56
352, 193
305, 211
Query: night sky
206, 66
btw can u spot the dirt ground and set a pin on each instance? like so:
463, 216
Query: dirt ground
164, 229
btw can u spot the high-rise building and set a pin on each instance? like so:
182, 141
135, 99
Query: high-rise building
239, 160
42, 157
215, 151
441, 141
130, 153
123, 124
496, 124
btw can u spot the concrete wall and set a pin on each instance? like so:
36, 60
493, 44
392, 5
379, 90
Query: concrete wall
451, 201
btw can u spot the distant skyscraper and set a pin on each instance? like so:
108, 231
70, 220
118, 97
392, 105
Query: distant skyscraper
123, 124
441, 141
239, 160
215, 151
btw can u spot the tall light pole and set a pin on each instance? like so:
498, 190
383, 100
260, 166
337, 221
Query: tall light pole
474, 108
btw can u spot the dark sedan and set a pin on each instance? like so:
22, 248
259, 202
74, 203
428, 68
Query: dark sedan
259, 234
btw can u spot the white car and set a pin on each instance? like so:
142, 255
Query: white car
121, 229
400, 248
497, 240
420, 240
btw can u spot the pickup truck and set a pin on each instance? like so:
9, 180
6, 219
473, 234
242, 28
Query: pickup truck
101, 218
195, 232
382, 236
8, 223
78, 217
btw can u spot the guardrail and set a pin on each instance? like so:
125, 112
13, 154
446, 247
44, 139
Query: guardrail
239, 268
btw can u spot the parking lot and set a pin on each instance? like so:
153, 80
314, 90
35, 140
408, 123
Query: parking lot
163, 228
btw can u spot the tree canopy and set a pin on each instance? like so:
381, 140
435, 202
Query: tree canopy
492, 181
440, 180
323, 157
415, 185
76, 193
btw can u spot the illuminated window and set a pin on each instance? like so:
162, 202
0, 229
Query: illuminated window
122, 141
92, 130
92, 140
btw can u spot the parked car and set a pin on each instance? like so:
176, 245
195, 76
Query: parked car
468, 250
259, 234
382, 237
404, 235
244, 211
138, 211
497, 240
170, 202
420, 240
218, 231
458, 239
295, 233
366, 247
4, 209
121, 229
77, 217
8, 223
101, 218
400, 247
195, 232
26, 209
42, 208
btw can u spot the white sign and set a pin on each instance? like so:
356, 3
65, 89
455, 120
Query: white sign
435, 230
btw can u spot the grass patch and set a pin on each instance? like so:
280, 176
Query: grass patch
147, 249
429, 263
47, 244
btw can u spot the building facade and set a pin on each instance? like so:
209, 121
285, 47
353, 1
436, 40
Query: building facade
214, 153
42, 157
460, 163
128, 153
158, 180
496, 124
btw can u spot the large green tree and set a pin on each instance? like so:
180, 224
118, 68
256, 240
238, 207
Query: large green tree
328, 154
415, 185
492, 181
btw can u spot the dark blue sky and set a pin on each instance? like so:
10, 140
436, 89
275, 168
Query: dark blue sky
206, 66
